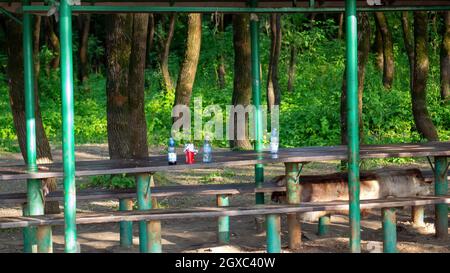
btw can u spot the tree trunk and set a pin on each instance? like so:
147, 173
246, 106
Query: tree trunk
36, 47
188, 68
422, 119
388, 49
118, 49
242, 89
292, 68
363, 53
165, 48
136, 79
84, 26
54, 42
221, 60
273, 87
14, 73
445, 59
409, 45
150, 37
378, 48
341, 26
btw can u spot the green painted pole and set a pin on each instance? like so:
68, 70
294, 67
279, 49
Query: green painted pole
68, 138
273, 233
126, 227
324, 225
256, 96
293, 197
149, 233
352, 123
441, 188
35, 199
223, 222
29, 234
389, 230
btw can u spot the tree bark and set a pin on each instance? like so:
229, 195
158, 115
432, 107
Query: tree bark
445, 59
341, 26
378, 48
388, 49
150, 37
36, 47
84, 26
15, 75
118, 50
221, 60
188, 68
363, 53
422, 118
136, 79
292, 68
242, 89
165, 48
54, 42
273, 87
408, 39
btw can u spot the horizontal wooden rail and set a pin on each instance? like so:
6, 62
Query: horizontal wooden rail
198, 212
227, 159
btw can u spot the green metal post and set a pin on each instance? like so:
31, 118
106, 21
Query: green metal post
256, 96
148, 232
441, 188
126, 227
223, 222
324, 225
389, 230
35, 198
273, 233
352, 123
29, 233
68, 138
292, 171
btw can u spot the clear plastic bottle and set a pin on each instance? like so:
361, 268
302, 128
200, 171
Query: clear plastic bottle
207, 151
274, 141
172, 155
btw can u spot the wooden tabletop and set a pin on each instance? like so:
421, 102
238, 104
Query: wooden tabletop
227, 159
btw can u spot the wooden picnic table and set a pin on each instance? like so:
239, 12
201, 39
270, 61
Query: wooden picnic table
226, 159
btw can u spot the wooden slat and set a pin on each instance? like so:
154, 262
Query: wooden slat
227, 159
168, 214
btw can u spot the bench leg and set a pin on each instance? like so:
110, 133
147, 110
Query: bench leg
324, 224
154, 237
389, 230
292, 171
126, 227
273, 235
144, 203
418, 215
44, 239
441, 188
223, 222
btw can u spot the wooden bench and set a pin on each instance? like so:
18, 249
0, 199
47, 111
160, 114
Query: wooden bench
272, 212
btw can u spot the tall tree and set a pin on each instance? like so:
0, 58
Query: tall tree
219, 18
53, 42
84, 22
363, 53
388, 49
292, 67
242, 75
188, 68
136, 79
273, 86
164, 51
445, 59
408, 39
150, 37
422, 118
14, 73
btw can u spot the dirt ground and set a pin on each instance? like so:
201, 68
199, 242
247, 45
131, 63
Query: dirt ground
199, 235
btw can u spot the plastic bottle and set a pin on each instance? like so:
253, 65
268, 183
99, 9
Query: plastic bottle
207, 151
274, 142
172, 155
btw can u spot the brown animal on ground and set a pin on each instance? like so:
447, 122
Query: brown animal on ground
379, 184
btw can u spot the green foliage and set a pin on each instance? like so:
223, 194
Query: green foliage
217, 176
119, 181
